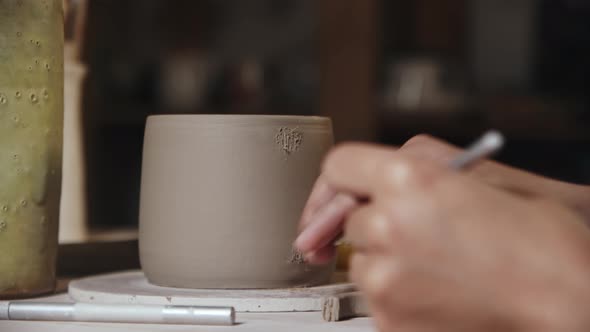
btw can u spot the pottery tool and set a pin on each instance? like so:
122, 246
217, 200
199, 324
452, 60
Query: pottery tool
491, 142
117, 313
350, 305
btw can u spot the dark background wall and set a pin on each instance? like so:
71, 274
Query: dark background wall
383, 70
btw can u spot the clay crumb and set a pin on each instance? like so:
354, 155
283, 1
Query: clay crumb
289, 139
296, 257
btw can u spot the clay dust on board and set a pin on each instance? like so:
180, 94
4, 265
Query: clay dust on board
289, 139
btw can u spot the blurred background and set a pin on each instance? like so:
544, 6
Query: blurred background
384, 70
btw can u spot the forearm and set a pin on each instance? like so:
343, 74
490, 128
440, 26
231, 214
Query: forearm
506, 177
524, 183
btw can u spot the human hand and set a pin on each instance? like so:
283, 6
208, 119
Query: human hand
323, 216
437, 250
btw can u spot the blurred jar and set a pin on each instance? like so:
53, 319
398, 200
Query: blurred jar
31, 121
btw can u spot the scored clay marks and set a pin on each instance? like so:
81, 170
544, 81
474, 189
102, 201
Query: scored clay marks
289, 139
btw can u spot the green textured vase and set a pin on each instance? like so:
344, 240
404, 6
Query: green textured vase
31, 126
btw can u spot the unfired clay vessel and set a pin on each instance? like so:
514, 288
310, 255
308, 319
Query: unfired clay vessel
221, 196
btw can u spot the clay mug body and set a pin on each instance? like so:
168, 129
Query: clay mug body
221, 196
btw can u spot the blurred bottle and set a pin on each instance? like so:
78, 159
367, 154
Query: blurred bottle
31, 117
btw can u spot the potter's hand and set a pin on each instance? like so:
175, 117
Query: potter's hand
437, 250
322, 218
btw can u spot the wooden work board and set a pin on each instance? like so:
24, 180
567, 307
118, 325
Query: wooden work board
133, 288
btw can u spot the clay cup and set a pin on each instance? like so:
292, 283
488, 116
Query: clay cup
221, 197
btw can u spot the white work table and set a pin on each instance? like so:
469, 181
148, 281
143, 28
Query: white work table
259, 322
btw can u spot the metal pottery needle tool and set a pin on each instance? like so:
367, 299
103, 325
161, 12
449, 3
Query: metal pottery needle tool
490, 143
117, 313
352, 304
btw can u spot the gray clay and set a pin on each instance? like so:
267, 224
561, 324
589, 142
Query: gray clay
221, 196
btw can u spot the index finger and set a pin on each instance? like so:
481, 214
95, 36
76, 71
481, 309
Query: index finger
351, 168
320, 195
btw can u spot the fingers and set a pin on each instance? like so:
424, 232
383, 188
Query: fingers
391, 175
321, 256
326, 225
351, 167
357, 168
354, 167
377, 278
320, 195
429, 148
359, 267
361, 170
369, 229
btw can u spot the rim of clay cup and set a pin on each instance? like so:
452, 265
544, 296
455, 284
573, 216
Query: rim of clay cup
238, 119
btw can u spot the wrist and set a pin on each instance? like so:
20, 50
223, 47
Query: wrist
557, 312
524, 183
583, 202
560, 300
